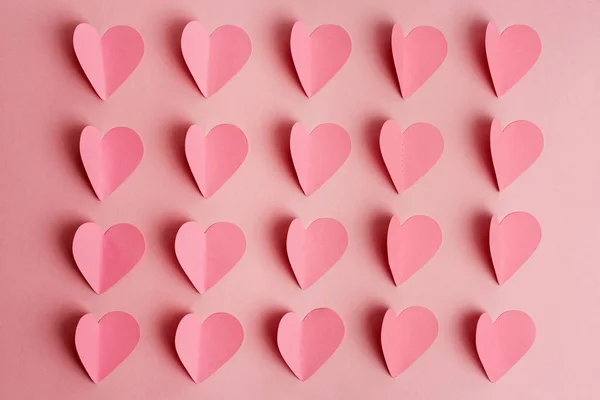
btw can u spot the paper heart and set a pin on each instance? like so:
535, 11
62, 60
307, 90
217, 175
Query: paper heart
503, 343
213, 60
514, 149
306, 345
103, 345
206, 257
108, 61
511, 55
204, 347
417, 56
109, 161
320, 55
318, 155
313, 251
409, 155
406, 337
411, 245
512, 242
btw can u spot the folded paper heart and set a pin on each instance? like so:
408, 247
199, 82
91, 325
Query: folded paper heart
205, 346
108, 61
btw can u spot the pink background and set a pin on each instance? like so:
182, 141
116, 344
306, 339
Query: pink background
46, 101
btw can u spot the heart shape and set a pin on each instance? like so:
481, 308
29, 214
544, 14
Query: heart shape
512, 242
105, 258
318, 155
320, 55
411, 245
510, 55
514, 149
409, 155
213, 60
313, 251
406, 337
215, 157
417, 56
503, 343
204, 347
103, 345
306, 345
108, 61
206, 257
110, 160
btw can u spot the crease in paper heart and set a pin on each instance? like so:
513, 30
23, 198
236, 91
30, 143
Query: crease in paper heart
315, 250
409, 155
306, 345
103, 345
510, 55
205, 346
105, 258
512, 242
317, 156
109, 60
318, 57
109, 160
406, 337
417, 56
411, 245
206, 257
503, 343
214, 158
214, 60
514, 149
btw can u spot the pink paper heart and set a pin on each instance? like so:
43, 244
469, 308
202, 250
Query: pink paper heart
206, 257
514, 149
214, 158
313, 251
512, 242
411, 245
318, 155
409, 155
105, 258
417, 56
406, 337
108, 61
204, 347
109, 161
213, 60
103, 345
320, 55
306, 345
503, 343
511, 55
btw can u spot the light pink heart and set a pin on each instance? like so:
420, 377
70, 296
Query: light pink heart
108, 61
206, 257
205, 346
110, 160
213, 60
409, 155
406, 337
511, 55
514, 149
215, 157
318, 155
313, 251
320, 55
417, 56
503, 343
103, 345
306, 345
411, 245
105, 258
